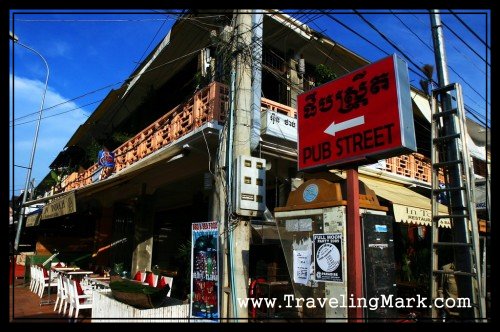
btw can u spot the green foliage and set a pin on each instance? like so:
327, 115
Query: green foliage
91, 151
120, 137
184, 255
324, 74
130, 286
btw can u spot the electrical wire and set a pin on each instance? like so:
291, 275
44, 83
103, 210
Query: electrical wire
49, 116
465, 43
469, 28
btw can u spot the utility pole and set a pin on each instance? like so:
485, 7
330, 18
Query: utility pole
455, 175
241, 146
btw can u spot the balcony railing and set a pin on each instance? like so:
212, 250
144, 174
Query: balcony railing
208, 104
414, 166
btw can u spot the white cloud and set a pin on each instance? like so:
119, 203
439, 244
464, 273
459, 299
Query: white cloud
54, 132
59, 48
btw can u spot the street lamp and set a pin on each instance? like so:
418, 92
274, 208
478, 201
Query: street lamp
15, 39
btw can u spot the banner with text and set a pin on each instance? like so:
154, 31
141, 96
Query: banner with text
205, 270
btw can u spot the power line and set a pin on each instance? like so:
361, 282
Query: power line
92, 20
49, 116
371, 43
386, 38
465, 43
449, 66
408, 58
470, 29
147, 48
128, 78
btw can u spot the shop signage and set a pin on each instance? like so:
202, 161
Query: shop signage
205, 270
33, 220
327, 250
60, 206
279, 125
415, 215
106, 158
357, 119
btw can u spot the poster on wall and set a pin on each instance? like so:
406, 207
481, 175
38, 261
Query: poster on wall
327, 252
301, 266
205, 270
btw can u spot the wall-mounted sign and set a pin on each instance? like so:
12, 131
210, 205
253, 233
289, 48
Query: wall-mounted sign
33, 219
106, 158
328, 257
357, 119
279, 125
60, 206
415, 215
205, 270
310, 193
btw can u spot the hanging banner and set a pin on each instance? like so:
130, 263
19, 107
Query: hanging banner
33, 219
60, 206
328, 257
205, 271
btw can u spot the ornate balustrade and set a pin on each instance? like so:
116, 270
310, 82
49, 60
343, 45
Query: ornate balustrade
208, 104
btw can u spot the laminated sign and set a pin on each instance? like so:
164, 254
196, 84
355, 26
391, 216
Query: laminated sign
328, 257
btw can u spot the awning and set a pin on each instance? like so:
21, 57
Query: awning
408, 206
60, 206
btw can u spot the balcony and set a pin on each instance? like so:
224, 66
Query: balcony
210, 104
415, 166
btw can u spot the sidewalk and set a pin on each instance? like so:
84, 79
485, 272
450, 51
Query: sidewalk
24, 307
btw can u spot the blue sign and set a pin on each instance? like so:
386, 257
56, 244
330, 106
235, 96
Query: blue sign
106, 158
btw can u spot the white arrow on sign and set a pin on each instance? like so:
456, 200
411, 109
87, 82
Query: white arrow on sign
334, 128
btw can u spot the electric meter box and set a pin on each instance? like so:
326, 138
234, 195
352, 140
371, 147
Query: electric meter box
250, 186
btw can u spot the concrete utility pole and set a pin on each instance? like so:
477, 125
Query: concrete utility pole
457, 198
241, 146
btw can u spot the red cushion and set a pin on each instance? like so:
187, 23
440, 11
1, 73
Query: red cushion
58, 265
150, 279
162, 282
138, 276
80, 291
45, 273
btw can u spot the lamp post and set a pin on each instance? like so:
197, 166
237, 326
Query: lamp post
15, 39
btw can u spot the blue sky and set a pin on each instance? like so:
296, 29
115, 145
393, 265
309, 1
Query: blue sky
88, 52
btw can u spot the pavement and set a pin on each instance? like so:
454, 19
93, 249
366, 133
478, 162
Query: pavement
27, 307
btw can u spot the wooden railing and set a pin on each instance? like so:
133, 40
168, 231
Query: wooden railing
208, 104
414, 166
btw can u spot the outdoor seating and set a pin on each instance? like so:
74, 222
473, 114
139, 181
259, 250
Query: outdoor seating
78, 299
62, 294
151, 279
44, 282
166, 281
140, 276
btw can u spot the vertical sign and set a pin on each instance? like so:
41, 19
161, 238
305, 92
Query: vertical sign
328, 257
204, 270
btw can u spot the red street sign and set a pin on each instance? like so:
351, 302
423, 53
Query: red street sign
357, 119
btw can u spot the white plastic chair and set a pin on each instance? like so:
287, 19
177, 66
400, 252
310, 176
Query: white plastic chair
44, 282
62, 294
32, 278
75, 298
